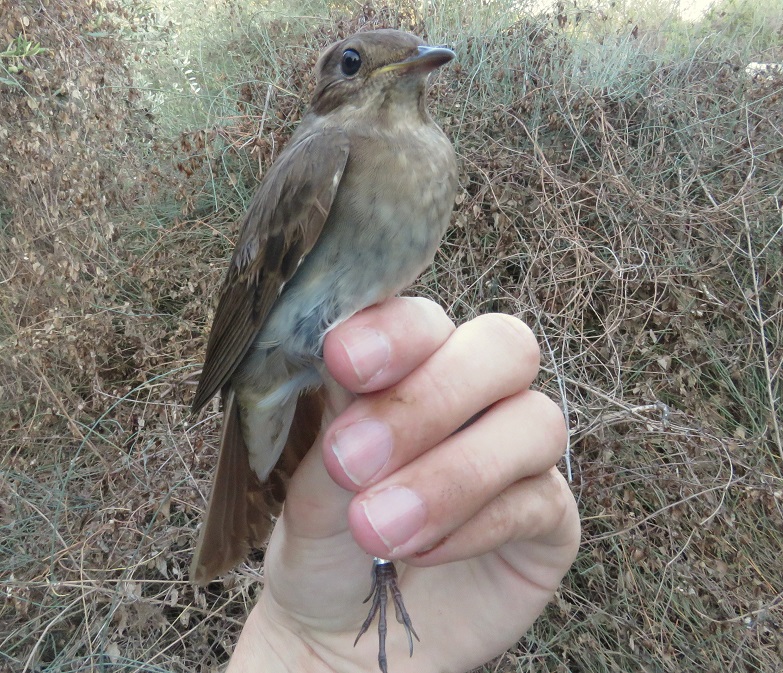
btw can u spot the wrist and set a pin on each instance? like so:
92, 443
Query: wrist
266, 646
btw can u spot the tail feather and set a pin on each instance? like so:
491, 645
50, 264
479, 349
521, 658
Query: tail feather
241, 508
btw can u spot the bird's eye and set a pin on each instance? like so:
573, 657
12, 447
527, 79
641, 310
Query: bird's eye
351, 62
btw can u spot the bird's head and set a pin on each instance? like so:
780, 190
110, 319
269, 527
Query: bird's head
376, 73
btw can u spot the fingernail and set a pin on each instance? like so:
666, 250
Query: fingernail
368, 350
396, 515
363, 449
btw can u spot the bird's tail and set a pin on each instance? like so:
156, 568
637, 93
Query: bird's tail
242, 506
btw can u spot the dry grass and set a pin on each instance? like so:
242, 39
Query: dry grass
621, 191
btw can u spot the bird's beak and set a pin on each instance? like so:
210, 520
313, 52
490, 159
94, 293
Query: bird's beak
426, 59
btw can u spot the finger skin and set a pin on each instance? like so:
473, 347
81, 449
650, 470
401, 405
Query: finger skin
458, 381
495, 505
529, 509
520, 437
413, 328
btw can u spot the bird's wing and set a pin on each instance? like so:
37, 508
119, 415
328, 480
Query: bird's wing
280, 227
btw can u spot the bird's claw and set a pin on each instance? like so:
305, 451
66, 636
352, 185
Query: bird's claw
384, 581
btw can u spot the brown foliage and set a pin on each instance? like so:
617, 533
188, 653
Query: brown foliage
636, 227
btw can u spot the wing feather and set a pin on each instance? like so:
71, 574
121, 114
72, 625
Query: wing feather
283, 222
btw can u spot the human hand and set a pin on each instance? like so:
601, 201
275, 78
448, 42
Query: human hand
484, 523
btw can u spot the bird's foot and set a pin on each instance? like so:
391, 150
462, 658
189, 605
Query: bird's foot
384, 581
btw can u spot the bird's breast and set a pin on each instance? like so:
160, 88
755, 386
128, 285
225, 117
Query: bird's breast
389, 214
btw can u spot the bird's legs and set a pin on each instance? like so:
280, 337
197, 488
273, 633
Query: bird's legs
384, 578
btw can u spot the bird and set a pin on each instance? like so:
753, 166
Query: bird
348, 215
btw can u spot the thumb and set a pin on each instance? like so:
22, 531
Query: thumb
315, 506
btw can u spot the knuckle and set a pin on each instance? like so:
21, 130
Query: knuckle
512, 336
433, 312
550, 416
547, 506
444, 396
503, 523
560, 495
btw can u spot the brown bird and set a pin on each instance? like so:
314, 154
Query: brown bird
349, 214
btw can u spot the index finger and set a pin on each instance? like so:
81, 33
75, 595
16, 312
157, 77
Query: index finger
381, 345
